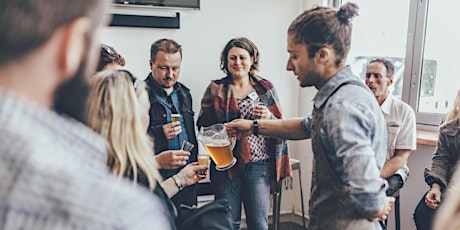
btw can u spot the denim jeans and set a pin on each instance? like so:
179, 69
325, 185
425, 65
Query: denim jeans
251, 187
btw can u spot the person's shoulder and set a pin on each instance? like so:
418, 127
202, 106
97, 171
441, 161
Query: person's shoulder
183, 87
402, 105
222, 81
265, 82
354, 92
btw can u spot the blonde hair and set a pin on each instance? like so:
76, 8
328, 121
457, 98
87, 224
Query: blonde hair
114, 112
453, 116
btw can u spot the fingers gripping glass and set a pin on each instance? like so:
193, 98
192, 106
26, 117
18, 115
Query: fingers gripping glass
134, 79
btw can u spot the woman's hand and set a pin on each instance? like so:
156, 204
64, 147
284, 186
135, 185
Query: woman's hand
171, 159
261, 112
433, 197
189, 174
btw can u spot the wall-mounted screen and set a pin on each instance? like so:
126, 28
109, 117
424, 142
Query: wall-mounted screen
193, 4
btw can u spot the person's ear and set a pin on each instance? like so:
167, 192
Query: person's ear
322, 55
390, 81
151, 63
74, 45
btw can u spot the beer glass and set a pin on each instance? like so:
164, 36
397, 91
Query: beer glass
218, 145
175, 117
203, 159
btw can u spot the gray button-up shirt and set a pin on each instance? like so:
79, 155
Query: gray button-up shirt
354, 138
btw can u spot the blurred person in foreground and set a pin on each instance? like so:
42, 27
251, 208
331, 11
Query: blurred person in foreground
118, 109
346, 126
440, 177
52, 166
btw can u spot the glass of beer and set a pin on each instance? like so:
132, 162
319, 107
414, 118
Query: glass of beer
218, 145
203, 159
175, 117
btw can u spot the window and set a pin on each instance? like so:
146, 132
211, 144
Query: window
421, 39
434, 79
380, 31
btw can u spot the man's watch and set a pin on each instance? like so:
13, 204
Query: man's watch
178, 182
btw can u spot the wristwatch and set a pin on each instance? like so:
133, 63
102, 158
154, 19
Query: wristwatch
178, 182
255, 129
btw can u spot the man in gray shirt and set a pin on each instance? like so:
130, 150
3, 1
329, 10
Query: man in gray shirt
52, 167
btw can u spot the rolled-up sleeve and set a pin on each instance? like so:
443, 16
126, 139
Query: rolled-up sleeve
306, 125
350, 137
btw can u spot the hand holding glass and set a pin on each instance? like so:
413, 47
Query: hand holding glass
187, 146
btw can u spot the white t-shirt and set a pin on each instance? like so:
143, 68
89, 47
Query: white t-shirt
401, 129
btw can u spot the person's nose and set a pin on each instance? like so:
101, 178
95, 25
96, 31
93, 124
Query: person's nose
237, 61
289, 66
370, 79
170, 72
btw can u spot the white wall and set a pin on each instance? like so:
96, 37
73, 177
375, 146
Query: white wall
204, 33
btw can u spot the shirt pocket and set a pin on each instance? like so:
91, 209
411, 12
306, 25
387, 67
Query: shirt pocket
392, 132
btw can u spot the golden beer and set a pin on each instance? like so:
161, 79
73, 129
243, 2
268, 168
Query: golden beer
220, 154
175, 117
203, 159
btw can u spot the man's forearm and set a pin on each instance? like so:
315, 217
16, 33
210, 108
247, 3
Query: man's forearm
396, 162
290, 129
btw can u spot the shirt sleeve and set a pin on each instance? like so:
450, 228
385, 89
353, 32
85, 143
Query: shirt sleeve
407, 136
306, 125
350, 140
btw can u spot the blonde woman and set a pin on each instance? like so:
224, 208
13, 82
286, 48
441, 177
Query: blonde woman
118, 109
440, 177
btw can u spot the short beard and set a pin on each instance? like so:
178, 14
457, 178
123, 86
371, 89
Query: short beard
71, 96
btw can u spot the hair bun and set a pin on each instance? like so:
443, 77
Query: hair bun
347, 12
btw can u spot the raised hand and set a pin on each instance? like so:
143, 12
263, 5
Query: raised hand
171, 159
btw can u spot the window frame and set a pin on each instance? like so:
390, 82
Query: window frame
414, 58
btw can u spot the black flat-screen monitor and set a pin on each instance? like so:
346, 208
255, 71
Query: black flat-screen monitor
193, 4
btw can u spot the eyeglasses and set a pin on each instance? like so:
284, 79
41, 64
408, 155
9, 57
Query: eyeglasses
109, 49
134, 79
171, 102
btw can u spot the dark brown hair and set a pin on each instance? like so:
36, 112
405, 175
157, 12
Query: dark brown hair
166, 45
108, 56
25, 25
388, 65
324, 26
242, 43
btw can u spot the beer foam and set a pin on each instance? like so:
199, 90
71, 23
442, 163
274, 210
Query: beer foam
211, 142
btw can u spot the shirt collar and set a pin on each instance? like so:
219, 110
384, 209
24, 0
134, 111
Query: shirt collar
344, 75
386, 105
159, 90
